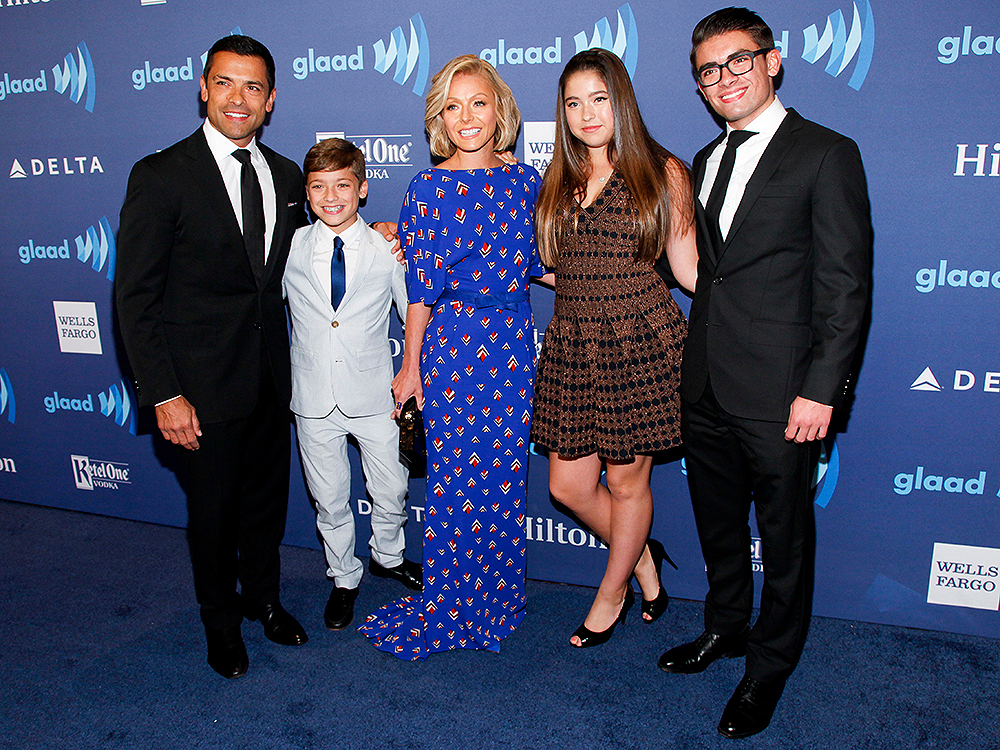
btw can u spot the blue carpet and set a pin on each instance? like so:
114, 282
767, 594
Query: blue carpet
103, 648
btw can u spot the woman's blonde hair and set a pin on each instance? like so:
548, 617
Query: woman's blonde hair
508, 115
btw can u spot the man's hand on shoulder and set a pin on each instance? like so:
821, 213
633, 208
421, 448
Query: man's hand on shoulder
178, 422
807, 420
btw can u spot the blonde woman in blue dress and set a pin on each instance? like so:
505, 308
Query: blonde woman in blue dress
467, 228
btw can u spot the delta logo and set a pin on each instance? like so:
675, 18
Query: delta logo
7, 404
53, 166
74, 78
406, 55
964, 380
623, 41
95, 247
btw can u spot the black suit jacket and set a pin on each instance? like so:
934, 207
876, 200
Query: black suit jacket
778, 309
193, 318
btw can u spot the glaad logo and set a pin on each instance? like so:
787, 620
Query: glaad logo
118, 402
843, 45
979, 160
929, 279
405, 58
415, 56
167, 74
827, 473
382, 152
625, 43
964, 576
905, 483
7, 403
56, 165
73, 78
95, 247
235, 31
951, 47
76, 76
89, 473
965, 380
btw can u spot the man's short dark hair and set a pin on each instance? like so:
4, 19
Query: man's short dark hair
245, 46
727, 20
332, 154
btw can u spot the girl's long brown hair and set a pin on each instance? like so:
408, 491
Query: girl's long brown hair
655, 177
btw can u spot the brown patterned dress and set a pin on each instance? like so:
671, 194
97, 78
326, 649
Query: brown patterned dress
611, 358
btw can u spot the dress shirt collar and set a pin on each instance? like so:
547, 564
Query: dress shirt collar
221, 147
350, 236
767, 122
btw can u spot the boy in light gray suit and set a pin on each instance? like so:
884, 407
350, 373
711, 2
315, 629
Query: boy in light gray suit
341, 280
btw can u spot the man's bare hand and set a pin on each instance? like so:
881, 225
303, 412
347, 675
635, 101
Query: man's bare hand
179, 423
807, 420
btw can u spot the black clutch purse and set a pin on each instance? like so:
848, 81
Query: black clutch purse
411, 428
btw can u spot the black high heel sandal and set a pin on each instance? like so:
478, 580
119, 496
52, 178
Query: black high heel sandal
656, 607
589, 638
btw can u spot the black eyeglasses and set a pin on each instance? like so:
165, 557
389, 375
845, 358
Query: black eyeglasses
739, 65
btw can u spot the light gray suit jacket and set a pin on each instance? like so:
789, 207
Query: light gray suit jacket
342, 358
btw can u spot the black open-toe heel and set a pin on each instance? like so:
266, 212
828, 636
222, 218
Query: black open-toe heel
656, 607
589, 638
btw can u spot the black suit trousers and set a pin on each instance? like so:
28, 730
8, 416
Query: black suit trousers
732, 463
237, 493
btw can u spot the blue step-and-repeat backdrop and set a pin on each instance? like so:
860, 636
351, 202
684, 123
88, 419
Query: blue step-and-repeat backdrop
907, 504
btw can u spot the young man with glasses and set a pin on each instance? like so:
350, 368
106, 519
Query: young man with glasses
784, 246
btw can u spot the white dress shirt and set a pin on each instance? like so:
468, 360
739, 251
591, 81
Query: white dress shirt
222, 149
747, 157
323, 253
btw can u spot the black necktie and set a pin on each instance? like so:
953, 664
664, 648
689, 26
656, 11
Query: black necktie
253, 213
338, 273
718, 194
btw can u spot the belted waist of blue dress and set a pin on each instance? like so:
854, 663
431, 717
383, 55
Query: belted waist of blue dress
499, 300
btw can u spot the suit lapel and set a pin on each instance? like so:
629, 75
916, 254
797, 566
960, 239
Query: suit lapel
317, 235
699, 210
366, 257
207, 175
281, 192
782, 141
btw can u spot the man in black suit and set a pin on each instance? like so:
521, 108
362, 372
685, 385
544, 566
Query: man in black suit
784, 245
204, 235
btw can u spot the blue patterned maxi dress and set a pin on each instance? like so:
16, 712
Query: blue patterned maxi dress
470, 249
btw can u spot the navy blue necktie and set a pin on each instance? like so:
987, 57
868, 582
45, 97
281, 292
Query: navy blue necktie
338, 273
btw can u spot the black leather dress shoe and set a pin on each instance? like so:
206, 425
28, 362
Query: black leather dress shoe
750, 709
694, 657
340, 608
407, 573
279, 626
227, 654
